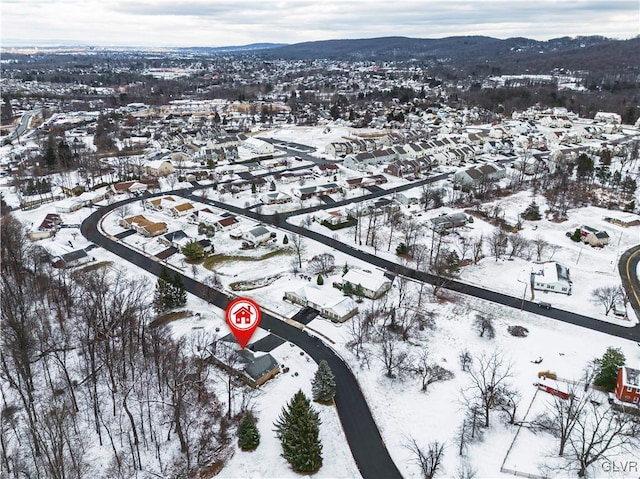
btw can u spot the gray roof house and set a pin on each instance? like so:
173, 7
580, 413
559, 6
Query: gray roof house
480, 174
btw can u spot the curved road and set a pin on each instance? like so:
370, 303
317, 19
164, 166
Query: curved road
279, 221
628, 268
368, 449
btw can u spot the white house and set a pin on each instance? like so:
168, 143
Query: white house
551, 276
329, 302
158, 167
257, 235
373, 285
276, 197
258, 146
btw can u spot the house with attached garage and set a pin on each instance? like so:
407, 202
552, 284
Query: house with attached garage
450, 221
158, 168
276, 198
479, 175
227, 223
255, 368
593, 236
329, 302
372, 285
143, 226
257, 235
552, 277
72, 260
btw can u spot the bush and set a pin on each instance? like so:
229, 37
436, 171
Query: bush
576, 236
518, 331
532, 213
402, 249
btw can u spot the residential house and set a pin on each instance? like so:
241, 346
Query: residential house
276, 198
450, 221
177, 239
628, 385
258, 146
328, 170
593, 236
606, 117
47, 228
625, 221
479, 175
310, 191
143, 226
330, 303
158, 168
256, 235
131, 187
69, 205
334, 217
254, 368
227, 223
373, 286
182, 209
72, 260
552, 277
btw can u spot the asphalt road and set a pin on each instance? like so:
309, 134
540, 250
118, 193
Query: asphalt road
628, 268
368, 449
279, 221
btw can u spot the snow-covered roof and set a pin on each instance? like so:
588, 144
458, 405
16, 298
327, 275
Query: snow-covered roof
366, 280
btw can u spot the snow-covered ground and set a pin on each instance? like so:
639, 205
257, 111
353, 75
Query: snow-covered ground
399, 407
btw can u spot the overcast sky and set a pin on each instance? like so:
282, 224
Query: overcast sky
239, 22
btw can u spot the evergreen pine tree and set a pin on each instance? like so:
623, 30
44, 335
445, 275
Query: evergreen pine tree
179, 292
248, 434
320, 280
298, 428
532, 213
345, 269
163, 296
323, 385
285, 240
609, 364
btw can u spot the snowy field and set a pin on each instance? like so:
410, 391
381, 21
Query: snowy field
400, 408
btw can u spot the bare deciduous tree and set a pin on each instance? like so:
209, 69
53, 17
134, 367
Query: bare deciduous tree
323, 263
489, 375
498, 243
562, 416
601, 432
428, 371
392, 356
484, 325
299, 248
607, 296
429, 460
465, 360
540, 246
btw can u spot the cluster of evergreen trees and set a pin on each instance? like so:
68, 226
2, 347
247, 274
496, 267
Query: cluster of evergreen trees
170, 292
298, 426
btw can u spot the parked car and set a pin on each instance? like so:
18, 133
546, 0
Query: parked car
544, 305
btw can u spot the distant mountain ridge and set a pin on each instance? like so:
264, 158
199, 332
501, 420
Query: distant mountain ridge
448, 47
517, 54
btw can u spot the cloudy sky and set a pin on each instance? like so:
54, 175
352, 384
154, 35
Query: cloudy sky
239, 22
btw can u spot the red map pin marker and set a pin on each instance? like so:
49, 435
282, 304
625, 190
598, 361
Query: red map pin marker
243, 317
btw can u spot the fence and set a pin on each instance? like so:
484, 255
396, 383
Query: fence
520, 474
